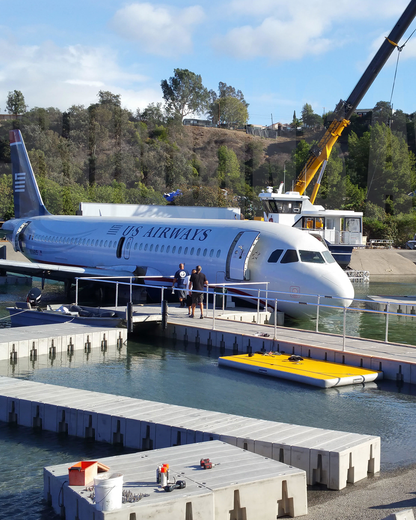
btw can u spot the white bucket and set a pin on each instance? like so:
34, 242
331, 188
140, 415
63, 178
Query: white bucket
108, 491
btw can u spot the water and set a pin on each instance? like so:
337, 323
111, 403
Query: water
173, 374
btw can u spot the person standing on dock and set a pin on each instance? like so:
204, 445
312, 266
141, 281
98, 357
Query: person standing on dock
196, 283
179, 279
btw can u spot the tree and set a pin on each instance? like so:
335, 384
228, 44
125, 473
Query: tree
229, 174
296, 123
108, 98
184, 94
228, 107
309, 118
16, 103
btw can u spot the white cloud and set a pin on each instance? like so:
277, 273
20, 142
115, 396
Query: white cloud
49, 75
160, 30
283, 30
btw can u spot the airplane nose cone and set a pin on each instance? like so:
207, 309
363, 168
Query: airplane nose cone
339, 288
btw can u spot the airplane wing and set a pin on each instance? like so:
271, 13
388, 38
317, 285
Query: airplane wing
63, 273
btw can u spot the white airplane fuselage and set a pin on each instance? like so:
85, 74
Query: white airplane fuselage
243, 253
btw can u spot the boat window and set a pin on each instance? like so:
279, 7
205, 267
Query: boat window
162, 248
146, 246
186, 251
198, 252
105, 243
180, 251
173, 249
218, 253
157, 248
353, 225
274, 257
211, 253
110, 244
284, 206
328, 257
167, 249
151, 247
192, 251
289, 257
141, 246
205, 252
313, 257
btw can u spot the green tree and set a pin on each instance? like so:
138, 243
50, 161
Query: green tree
184, 94
228, 107
296, 123
229, 174
16, 103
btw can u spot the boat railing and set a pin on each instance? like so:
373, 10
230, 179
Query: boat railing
265, 300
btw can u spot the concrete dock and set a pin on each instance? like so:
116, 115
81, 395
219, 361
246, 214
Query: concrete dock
239, 485
328, 457
53, 340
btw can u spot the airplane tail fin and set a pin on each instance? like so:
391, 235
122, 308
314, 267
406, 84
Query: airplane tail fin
27, 199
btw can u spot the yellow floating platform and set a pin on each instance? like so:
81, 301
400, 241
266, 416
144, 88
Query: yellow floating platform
295, 368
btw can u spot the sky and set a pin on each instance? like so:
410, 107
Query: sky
281, 54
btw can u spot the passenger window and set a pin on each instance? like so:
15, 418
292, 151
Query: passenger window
289, 257
173, 249
205, 252
198, 251
218, 253
180, 250
162, 249
211, 253
192, 251
157, 248
274, 257
151, 247
186, 251
167, 249
146, 246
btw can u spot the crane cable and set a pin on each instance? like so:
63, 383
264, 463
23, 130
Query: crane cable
397, 61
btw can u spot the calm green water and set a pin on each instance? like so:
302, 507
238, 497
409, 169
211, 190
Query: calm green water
178, 375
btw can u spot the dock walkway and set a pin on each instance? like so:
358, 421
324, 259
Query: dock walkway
328, 457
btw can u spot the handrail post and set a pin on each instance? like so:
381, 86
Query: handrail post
258, 305
131, 289
76, 291
343, 337
275, 319
116, 295
386, 337
207, 307
213, 310
317, 313
223, 297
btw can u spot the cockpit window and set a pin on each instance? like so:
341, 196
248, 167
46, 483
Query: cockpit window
314, 257
274, 257
290, 256
328, 257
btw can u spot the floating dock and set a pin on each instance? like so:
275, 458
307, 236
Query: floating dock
240, 485
322, 374
331, 458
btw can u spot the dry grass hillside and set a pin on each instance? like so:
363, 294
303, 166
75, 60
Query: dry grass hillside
205, 142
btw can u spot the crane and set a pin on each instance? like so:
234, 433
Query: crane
319, 153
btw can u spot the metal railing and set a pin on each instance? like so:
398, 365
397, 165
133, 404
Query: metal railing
264, 298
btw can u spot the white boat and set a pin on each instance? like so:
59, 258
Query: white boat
341, 230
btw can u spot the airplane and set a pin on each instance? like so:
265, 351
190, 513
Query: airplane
62, 247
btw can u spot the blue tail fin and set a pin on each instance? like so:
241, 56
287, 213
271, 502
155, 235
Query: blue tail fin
27, 199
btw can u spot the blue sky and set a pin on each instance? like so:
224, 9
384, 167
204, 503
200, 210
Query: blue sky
281, 54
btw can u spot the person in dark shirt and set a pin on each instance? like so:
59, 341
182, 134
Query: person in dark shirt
180, 280
197, 282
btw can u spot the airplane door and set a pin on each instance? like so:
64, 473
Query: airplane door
127, 247
239, 255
